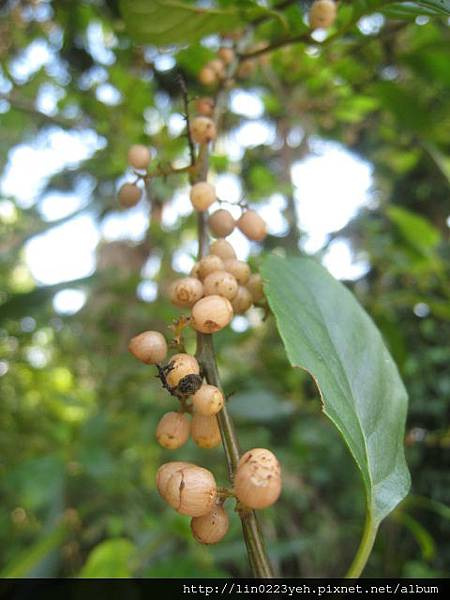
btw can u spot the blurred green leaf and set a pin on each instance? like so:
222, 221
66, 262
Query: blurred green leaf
111, 558
441, 161
259, 406
31, 557
415, 230
413, 9
164, 22
423, 538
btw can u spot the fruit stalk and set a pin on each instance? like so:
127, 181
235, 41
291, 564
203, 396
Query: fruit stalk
259, 562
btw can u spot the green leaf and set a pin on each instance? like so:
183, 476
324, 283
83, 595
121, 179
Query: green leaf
326, 332
440, 160
415, 230
163, 22
429, 8
110, 558
423, 538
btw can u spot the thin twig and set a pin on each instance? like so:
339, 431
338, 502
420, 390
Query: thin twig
28, 107
305, 38
184, 93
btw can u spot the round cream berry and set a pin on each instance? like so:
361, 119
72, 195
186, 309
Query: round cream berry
139, 156
223, 249
239, 269
205, 431
255, 287
205, 106
212, 527
252, 225
257, 482
129, 195
173, 430
221, 223
180, 366
209, 264
207, 76
191, 491
322, 14
220, 283
165, 472
186, 291
150, 347
242, 301
211, 314
218, 67
227, 55
202, 195
208, 400
203, 130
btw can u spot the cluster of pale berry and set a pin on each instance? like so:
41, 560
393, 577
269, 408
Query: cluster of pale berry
218, 287
192, 490
189, 489
138, 158
215, 70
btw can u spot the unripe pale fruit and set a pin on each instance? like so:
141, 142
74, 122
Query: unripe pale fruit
209, 264
242, 301
183, 365
220, 283
129, 195
239, 269
227, 55
255, 287
165, 472
194, 271
186, 291
208, 400
191, 491
211, 314
257, 482
210, 528
150, 347
322, 14
173, 430
252, 225
221, 223
202, 195
218, 67
207, 76
223, 249
205, 431
205, 106
139, 156
203, 130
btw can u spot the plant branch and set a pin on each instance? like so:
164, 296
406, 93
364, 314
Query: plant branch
28, 107
297, 39
205, 354
184, 93
306, 38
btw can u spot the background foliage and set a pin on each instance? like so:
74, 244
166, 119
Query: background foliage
78, 414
